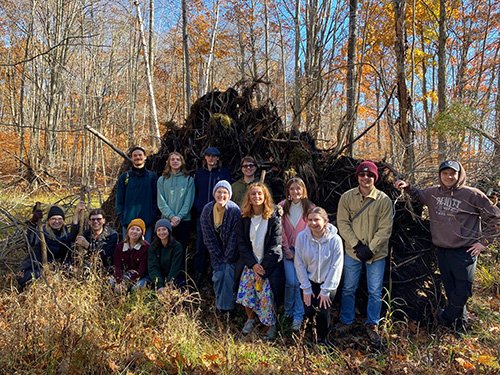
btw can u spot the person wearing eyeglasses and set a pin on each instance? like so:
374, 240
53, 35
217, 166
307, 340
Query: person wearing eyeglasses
99, 239
248, 169
364, 219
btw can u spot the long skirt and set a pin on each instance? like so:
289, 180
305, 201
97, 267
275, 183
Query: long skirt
261, 302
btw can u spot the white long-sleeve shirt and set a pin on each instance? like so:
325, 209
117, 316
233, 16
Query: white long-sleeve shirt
320, 261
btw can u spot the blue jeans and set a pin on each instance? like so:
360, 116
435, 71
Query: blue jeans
223, 280
374, 280
148, 236
294, 306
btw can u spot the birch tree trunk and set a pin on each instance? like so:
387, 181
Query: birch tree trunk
155, 135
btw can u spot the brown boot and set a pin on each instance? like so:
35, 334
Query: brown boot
373, 335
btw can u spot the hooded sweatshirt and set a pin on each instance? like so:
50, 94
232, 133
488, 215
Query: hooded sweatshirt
319, 261
460, 216
175, 196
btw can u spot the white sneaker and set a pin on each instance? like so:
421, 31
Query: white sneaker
248, 327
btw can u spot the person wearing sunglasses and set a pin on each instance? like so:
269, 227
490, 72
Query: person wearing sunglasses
364, 219
98, 240
248, 169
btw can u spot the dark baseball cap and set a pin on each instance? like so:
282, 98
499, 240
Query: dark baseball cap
455, 165
214, 151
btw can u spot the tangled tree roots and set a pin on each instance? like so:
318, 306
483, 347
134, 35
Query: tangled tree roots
232, 121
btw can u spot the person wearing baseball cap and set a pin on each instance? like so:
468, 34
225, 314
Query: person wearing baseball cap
463, 222
364, 220
205, 180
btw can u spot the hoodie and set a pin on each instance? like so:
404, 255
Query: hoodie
459, 216
319, 261
175, 196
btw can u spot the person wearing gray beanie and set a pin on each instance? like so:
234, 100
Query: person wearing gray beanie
165, 257
164, 223
223, 184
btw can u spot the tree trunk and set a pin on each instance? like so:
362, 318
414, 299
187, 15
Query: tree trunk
350, 114
297, 110
442, 75
187, 75
155, 135
405, 126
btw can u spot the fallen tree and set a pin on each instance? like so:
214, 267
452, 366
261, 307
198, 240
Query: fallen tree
231, 121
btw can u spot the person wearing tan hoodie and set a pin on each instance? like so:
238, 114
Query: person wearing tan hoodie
463, 221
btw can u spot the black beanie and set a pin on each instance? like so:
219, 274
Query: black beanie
55, 211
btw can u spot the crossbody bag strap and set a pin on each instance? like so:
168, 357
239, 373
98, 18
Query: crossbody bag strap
362, 209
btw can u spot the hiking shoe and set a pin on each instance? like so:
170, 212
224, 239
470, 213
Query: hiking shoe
372, 332
248, 327
271, 333
342, 329
296, 325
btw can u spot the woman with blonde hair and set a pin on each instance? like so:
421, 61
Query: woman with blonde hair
319, 258
260, 258
175, 197
294, 220
131, 259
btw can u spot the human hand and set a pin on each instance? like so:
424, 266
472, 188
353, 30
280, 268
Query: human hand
324, 301
363, 252
400, 184
81, 241
307, 299
175, 221
476, 249
258, 269
37, 216
288, 254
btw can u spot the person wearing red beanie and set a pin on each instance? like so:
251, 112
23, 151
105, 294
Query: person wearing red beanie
364, 219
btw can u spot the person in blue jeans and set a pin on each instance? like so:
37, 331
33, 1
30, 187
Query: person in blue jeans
205, 180
364, 218
294, 220
219, 222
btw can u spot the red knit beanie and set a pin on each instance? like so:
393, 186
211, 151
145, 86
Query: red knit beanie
367, 166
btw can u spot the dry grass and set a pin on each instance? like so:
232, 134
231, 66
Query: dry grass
62, 325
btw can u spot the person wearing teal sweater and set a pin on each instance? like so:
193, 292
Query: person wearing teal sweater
175, 197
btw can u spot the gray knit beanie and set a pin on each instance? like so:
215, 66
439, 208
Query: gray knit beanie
223, 184
163, 223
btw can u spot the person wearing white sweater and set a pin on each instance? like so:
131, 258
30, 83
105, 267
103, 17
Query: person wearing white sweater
319, 258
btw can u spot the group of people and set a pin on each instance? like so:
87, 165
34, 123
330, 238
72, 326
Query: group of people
261, 254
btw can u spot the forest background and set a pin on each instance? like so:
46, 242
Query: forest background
421, 78
419, 81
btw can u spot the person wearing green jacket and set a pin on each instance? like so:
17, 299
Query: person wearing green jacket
165, 256
176, 196
364, 219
